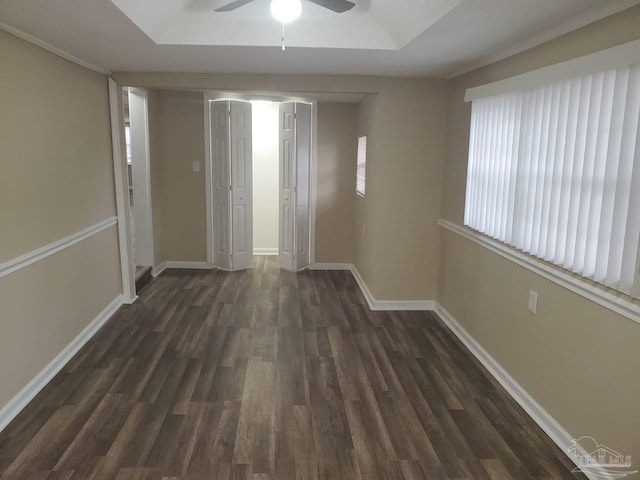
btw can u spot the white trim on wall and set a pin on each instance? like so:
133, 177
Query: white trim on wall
208, 169
55, 50
157, 270
610, 58
372, 302
331, 266
9, 411
416, 305
539, 415
189, 265
34, 256
550, 426
313, 182
127, 269
572, 23
161, 267
614, 302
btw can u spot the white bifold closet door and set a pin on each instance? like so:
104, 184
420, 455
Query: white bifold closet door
295, 164
231, 151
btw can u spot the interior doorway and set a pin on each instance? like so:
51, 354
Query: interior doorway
139, 178
259, 188
266, 222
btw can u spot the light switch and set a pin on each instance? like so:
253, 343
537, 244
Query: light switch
196, 166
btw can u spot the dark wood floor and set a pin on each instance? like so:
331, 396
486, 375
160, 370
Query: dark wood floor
267, 375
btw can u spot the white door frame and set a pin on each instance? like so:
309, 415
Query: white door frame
313, 184
210, 96
127, 268
141, 177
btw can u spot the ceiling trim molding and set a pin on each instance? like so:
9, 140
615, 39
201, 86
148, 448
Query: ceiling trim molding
52, 48
613, 58
544, 36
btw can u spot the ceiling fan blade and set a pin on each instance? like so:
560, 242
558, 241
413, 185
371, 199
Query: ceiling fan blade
338, 6
233, 5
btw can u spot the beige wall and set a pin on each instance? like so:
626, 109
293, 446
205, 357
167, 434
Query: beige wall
57, 179
336, 173
404, 120
177, 139
44, 306
55, 148
404, 124
577, 359
176, 134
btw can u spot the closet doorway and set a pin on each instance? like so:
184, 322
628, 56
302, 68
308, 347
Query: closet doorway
256, 185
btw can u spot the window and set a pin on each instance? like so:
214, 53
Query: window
555, 172
362, 166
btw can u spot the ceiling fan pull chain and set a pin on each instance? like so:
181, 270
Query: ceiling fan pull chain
282, 38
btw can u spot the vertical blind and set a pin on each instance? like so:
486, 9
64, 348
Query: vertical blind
555, 172
362, 166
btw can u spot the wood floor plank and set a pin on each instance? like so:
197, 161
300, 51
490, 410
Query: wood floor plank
255, 438
264, 374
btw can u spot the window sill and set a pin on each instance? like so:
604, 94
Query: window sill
614, 301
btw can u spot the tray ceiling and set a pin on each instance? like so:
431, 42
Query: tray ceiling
370, 25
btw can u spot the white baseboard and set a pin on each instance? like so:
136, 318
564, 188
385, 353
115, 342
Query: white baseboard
406, 305
548, 424
539, 415
129, 300
24, 396
158, 269
417, 305
265, 251
331, 266
371, 300
181, 265
545, 421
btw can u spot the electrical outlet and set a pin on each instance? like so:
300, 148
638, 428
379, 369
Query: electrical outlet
196, 166
533, 301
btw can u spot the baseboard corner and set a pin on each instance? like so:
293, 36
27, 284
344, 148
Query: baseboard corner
389, 305
157, 270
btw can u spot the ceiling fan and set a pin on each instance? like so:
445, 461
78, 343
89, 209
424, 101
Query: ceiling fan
338, 6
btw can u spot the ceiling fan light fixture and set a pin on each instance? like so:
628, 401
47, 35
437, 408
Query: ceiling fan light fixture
286, 11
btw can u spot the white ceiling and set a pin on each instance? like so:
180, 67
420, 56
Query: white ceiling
378, 37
